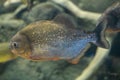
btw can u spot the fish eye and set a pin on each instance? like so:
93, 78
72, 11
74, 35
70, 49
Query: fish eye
15, 45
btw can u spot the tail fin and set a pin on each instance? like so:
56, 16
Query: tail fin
112, 17
108, 22
100, 33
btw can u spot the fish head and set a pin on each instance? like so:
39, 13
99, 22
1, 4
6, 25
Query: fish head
19, 45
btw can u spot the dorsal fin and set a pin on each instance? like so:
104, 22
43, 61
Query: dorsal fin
66, 20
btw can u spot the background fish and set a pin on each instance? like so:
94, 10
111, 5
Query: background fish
5, 53
111, 18
54, 40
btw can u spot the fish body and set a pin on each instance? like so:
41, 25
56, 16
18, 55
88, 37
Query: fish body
52, 40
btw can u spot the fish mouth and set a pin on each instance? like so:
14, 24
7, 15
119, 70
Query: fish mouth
23, 53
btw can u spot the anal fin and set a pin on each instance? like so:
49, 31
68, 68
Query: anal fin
81, 54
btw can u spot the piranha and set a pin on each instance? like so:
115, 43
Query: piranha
55, 40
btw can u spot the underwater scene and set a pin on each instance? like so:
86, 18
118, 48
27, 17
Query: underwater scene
59, 40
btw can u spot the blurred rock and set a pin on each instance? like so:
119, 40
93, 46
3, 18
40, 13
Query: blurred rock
42, 0
21, 69
42, 11
3, 67
20, 11
9, 3
8, 27
94, 5
9, 8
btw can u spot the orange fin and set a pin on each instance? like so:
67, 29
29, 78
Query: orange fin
74, 61
82, 53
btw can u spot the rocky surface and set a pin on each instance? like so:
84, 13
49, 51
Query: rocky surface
21, 69
42, 11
